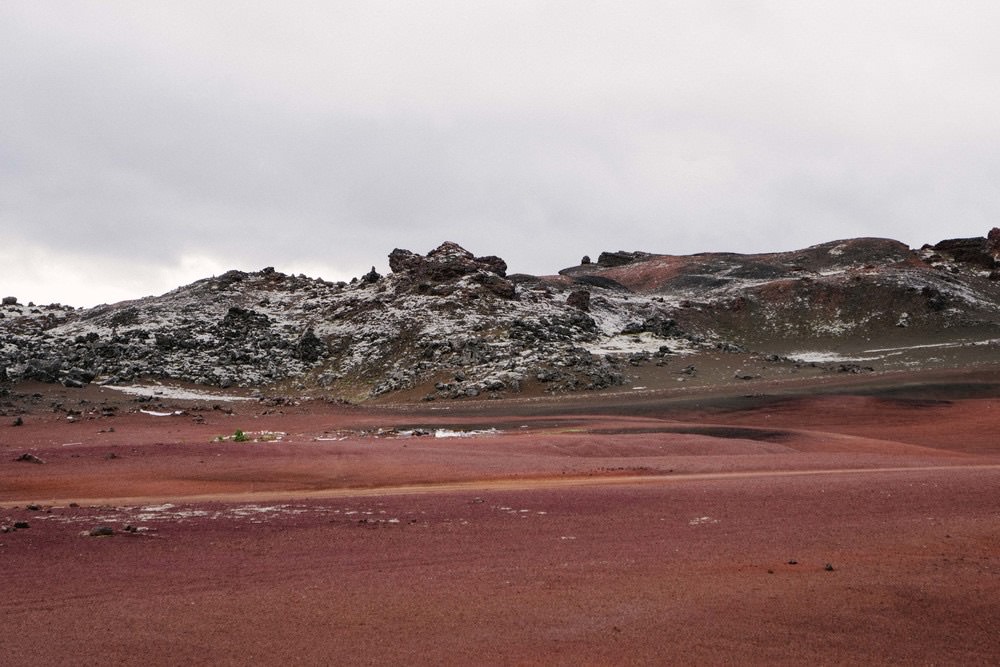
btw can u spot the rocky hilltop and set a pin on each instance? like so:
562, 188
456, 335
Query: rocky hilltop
449, 324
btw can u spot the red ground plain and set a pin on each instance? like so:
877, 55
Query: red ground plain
856, 525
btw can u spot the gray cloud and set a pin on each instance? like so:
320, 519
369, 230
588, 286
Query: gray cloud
144, 143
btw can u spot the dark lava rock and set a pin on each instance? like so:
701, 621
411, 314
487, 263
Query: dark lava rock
438, 272
402, 261
935, 300
658, 325
493, 264
447, 262
496, 284
101, 531
620, 258
125, 317
77, 378
309, 348
239, 322
10, 301
854, 369
21, 525
599, 281
993, 242
29, 458
977, 251
580, 300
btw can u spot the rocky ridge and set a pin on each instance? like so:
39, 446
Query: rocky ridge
450, 324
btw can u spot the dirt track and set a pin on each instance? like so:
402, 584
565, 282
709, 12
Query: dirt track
835, 528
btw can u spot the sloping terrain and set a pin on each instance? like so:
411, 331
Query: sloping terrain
841, 288
450, 324
854, 524
435, 318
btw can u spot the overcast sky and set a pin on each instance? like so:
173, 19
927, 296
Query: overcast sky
145, 145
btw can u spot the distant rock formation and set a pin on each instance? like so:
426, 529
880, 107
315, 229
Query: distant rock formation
977, 251
448, 261
450, 324
447, 264
620, 258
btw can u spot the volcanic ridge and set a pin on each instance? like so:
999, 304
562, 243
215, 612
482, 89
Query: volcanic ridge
449, 324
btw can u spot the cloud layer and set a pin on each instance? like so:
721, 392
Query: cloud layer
145, 144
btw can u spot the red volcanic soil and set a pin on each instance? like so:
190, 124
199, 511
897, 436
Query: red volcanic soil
854, 523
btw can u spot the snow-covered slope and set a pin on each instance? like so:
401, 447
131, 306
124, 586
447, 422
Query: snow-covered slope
456, 325
447, 318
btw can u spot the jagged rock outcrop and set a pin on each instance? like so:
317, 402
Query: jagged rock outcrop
977, 251
440, 270
619, 258
448, 261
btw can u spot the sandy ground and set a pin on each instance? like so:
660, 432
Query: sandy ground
850, 521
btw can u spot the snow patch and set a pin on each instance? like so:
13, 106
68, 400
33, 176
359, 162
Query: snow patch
815, 357
961, 343
637, 343
448, 433
175, 393
701, 520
